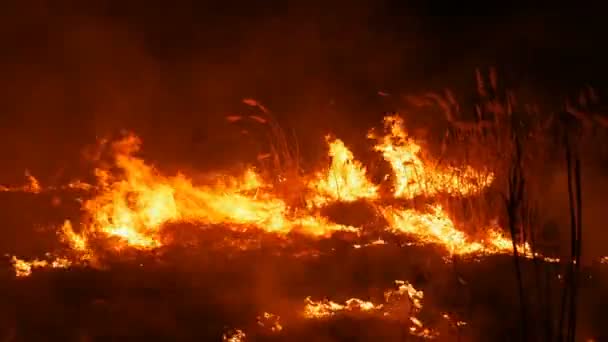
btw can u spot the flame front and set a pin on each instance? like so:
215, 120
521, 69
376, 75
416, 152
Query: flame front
134, 204
132, 201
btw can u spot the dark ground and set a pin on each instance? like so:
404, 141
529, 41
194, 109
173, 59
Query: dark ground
201, 287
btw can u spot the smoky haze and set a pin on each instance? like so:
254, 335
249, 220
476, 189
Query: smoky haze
72, 73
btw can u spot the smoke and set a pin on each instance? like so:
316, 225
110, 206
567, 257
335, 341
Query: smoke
76, 72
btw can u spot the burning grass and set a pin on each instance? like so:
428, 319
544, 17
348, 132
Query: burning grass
135, 214
132, 201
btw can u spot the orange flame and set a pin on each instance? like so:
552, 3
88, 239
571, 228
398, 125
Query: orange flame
435, 227
132, 201
345, 180
234, 336
24, 268
134, 205
393, 306
32, 186
414, 176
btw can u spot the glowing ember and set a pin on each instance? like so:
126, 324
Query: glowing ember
133, 205
270, 321
453, 321
234, 336
345, 180
415, 176
326, 308
24, 268
32, 186
378, 242
405, 299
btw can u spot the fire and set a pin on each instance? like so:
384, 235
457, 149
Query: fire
345, 180
134, 204
78, 243
32, 186
377, 242
435, 227
132, 201
404, 299
415, 176
454, 322
24, 268
326, 308
270, 321
234, 336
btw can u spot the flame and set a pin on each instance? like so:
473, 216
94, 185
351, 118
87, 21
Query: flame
345, 180
32, 185
377, 242
326, 308
132, 201
435, 227
134, 204
454, 322
24, 268
415, 176
234, 336
395, 305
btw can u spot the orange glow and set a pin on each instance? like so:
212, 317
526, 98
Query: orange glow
270, 321
326, 308
32, 186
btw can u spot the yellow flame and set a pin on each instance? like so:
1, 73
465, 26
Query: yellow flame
393, 306
435, 227
134, 205
132, 201
327, 308
24, 268
415, 176
234, 336
345, 180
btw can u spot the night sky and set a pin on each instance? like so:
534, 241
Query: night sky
171, 71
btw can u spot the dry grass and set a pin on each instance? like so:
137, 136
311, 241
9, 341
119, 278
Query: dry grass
517, 142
